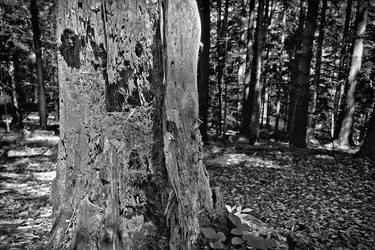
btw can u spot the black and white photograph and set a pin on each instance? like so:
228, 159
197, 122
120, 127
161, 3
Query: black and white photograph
187, 124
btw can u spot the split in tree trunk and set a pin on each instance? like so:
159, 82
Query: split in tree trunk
131, 178
204, 66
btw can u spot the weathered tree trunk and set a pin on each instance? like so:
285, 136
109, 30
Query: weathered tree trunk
368, 147
204, 65
336, 121
130, 172
190, 200
253, 100
39, 64
347, 123
318, 66
297, 136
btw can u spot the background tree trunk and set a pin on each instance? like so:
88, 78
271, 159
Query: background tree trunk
38, 53
318, 66
368, 147
17, 119
355, 68
244, 130
280, 73
204, 65
337, 119
219, 67
130, 172
253, 101
298, 133
225, 63
294, 55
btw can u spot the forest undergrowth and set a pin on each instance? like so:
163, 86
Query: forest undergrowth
315, 198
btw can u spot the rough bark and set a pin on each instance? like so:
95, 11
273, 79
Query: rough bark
130, 172
355, 68
204, 65
252, 100
39, 64
318, 66
190, 196
297, 136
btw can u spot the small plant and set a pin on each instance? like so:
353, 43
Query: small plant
241, 231
215, 239
242, 235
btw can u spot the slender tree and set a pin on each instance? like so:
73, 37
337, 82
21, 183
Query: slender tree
219, 65
224, 65
340, 86
245, 28
318, 66
280, 71
204, 65
252, 101
39, 64
355, 68
131, 178
297, 136
249, 46
294, 49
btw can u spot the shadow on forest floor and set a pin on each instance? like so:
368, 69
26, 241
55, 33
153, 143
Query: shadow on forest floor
323, 199
27, 168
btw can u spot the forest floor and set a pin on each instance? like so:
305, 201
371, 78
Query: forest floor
27, 168
322, 199
318, 197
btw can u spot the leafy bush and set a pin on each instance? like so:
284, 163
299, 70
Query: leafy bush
241, 234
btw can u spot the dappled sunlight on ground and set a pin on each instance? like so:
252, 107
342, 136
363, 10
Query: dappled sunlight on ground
233, 159
27, 169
